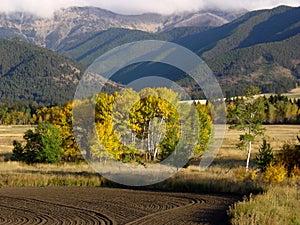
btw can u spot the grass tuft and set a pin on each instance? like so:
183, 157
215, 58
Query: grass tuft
278, 205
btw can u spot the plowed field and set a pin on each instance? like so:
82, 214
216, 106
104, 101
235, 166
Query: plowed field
73, 205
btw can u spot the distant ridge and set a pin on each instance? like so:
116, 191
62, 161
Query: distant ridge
260, 48
74, 22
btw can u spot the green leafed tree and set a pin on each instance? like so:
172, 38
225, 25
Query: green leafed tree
245, 115
42, 145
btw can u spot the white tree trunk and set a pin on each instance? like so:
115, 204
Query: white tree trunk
249, 154
155, 153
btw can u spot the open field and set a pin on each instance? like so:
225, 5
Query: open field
110, 206
7, 135
32, 194
221, 176
292, 94
277, 135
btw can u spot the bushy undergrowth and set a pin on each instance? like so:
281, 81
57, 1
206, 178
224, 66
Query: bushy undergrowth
289, 155
275, 174
42, 145
276, 168
279, 205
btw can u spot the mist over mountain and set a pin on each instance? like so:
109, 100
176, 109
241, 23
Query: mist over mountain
74, 22
136, 7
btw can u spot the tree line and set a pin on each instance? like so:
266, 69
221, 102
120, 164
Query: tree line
130, 126
277, 109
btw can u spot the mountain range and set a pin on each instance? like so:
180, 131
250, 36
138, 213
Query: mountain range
75, 22
259, 48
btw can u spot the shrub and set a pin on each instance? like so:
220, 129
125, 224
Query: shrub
18, 154
289, 155
245, 176
265, 156
51, 143
275, 174
42, 146
295, 172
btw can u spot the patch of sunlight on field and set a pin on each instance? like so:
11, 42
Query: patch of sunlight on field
8, 134
220, 176
277, 135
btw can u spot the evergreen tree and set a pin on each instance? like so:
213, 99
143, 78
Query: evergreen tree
265, 156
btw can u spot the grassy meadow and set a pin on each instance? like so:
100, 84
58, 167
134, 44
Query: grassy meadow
271, 204
228, 167
7, 135
21, 174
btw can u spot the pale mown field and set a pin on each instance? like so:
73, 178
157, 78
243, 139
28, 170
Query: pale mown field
7, 135
277, 135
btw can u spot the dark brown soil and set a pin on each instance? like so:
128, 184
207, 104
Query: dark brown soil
71, 205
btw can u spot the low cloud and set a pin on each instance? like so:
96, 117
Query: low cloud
47, 7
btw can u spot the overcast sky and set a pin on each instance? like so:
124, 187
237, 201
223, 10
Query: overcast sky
47, 7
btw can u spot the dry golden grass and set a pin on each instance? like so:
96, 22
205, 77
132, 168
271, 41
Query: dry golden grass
277, 135
223, 176
20, 174
14, 174
279, 205
7, 135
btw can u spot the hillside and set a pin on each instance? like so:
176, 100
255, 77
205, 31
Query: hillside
30, 73
260, 48
274, 67
264, 50
90, 46
254, 28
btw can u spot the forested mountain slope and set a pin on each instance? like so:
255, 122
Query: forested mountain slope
31, 73
260, 48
